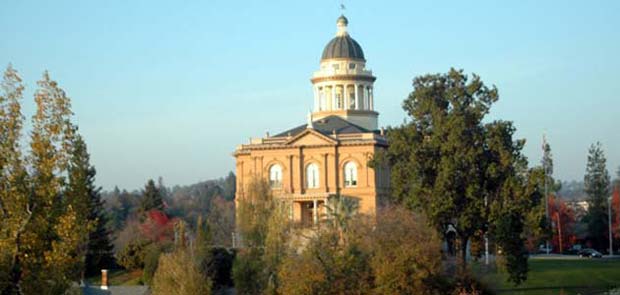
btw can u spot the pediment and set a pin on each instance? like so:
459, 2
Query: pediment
311, 137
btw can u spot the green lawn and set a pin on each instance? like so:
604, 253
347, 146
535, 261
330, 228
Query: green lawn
559, 276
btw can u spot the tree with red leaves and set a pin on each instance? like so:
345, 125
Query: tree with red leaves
158, 227
615, 208
563, 221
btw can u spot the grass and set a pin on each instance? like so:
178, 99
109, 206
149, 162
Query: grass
559, 276
119, 277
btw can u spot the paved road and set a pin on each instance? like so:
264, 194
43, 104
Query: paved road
115, 290
568, 257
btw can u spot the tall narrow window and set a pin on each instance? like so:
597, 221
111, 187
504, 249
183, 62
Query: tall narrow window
338, 101
275, 176
350, 174
322, 104
312, 176
351, 99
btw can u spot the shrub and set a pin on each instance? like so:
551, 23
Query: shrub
177, 274
405, 253
325, 266
218, 267
151, 259
131, 257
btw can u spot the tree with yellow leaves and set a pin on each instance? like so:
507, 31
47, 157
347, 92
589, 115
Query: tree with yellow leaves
15, 208
44, 226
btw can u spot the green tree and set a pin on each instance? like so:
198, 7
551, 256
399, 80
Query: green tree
151, 197
253, 213
85, 196
596, 181
230, 187
446, 162
276, 244
204, 239
264, 228
340, 211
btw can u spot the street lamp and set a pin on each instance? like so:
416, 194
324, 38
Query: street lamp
611, 241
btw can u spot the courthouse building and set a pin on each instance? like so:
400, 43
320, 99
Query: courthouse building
329, 155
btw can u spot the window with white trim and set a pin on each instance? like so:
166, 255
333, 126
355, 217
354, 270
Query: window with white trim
350, 174
312, 176
275, 176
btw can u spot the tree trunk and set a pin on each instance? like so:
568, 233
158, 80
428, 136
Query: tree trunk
15, 273
462, 267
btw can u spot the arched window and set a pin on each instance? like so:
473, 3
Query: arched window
350, 174
312, 176
275, 176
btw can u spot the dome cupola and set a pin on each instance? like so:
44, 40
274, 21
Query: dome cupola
343, 46
343, 86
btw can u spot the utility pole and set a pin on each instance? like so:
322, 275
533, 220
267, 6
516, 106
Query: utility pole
611, 241
546, 169
486, 235
559, 230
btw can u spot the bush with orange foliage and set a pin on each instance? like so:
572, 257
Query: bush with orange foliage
563, 220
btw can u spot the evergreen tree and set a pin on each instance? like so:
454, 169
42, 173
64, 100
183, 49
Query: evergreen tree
83, 194
230, 187
203, 241
596, 183
151, 197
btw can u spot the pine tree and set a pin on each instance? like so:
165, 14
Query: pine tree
230, 187
596, 183
204, 239
151, 198
83, 194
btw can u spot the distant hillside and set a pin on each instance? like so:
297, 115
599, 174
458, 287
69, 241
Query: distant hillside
573, 191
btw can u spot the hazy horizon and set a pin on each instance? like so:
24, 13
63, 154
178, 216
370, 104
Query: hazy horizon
169, 89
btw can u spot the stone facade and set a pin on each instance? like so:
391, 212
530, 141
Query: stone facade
330, 154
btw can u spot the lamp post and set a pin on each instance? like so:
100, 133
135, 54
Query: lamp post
611, 241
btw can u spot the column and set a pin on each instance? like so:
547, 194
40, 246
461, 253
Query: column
315, 215
357, 107
333, 96
345, 97
316, 99
371, 98
366, 99
325, 176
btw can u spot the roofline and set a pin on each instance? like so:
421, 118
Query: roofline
344, 77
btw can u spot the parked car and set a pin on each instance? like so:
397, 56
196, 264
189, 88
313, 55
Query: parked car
574, 250
543, 250
590, 253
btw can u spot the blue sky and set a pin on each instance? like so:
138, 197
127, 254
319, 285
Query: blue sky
170, 88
